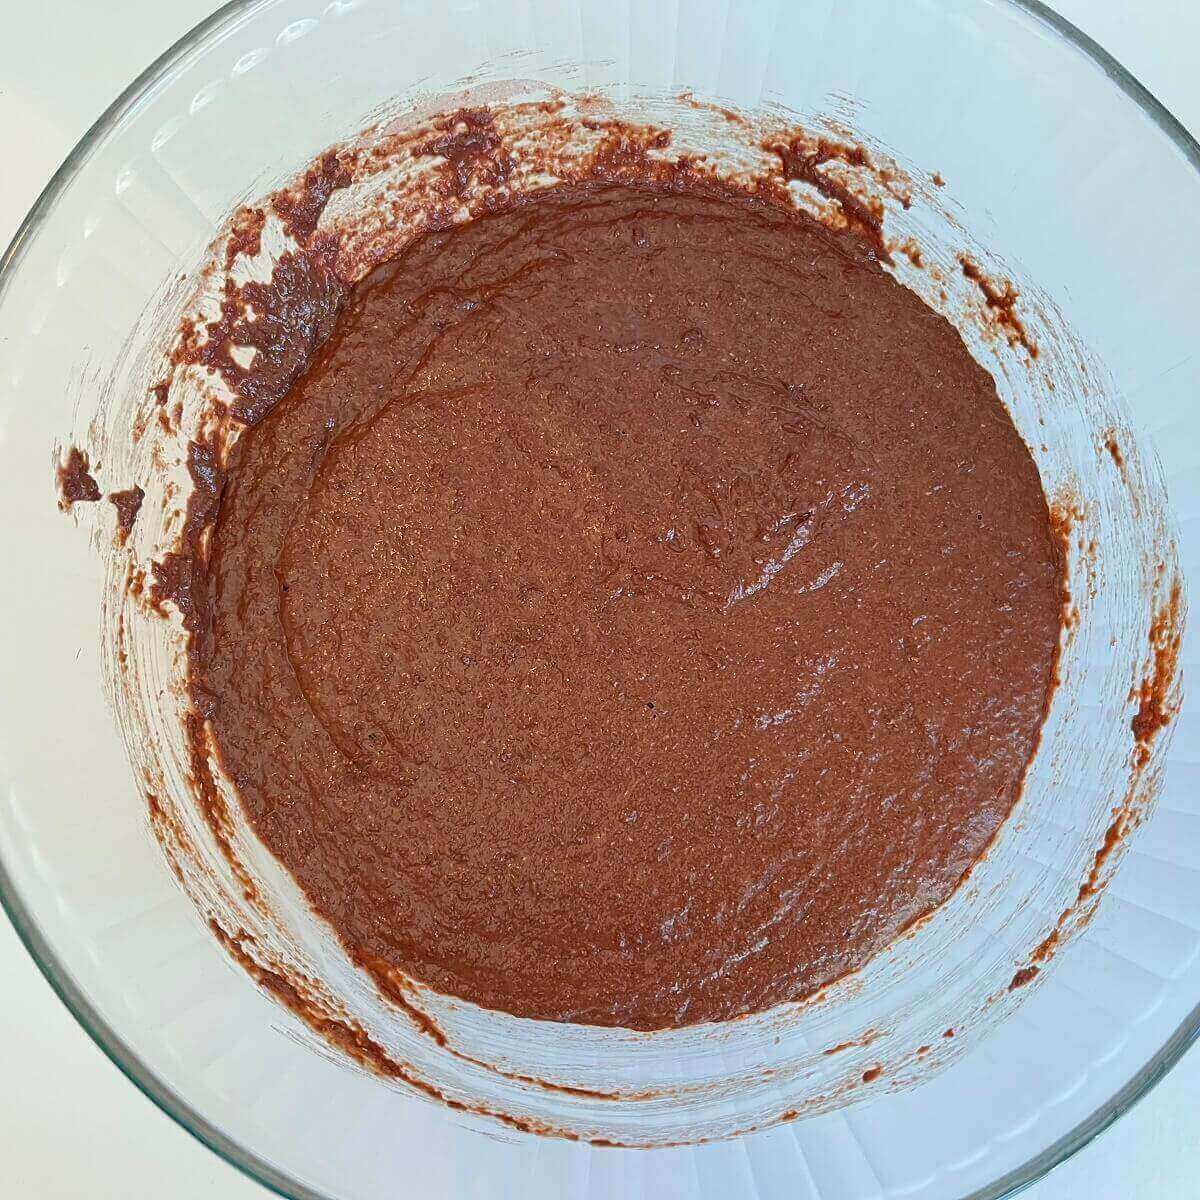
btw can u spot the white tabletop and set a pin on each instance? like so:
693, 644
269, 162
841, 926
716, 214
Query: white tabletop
70, 1124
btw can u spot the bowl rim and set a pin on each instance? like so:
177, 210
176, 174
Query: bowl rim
192, 44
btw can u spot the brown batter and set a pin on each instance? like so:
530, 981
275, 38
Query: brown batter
640, 612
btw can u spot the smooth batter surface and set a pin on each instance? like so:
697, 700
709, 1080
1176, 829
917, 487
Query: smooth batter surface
641, 611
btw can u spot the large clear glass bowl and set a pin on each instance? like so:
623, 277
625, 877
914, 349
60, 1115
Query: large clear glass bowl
1057, 162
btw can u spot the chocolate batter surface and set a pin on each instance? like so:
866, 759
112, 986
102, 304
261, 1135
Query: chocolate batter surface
640, 611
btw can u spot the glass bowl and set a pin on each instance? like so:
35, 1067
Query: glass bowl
1061, 173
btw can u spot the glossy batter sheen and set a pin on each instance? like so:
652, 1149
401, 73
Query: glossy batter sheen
641, 611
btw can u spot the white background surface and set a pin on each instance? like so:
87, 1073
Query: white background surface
70, 1124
